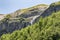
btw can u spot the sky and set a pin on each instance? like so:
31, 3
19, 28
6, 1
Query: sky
9, 6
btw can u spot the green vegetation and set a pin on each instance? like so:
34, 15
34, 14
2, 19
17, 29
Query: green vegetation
47, 28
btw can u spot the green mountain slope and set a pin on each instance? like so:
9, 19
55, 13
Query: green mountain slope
47, 28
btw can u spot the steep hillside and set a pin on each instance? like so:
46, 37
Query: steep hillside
54, 7
27, 11
47, 28
21, 18
26, 17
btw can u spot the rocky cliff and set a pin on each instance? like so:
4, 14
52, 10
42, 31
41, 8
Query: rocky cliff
21, 18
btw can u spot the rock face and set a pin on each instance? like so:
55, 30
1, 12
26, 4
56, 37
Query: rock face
19, 20
23, 18
10, 25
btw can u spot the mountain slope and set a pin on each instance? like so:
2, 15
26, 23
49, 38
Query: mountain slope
26, 11
54, 7
47, 28
21, 18
25, 17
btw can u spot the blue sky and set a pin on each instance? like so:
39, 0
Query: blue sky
8, 6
